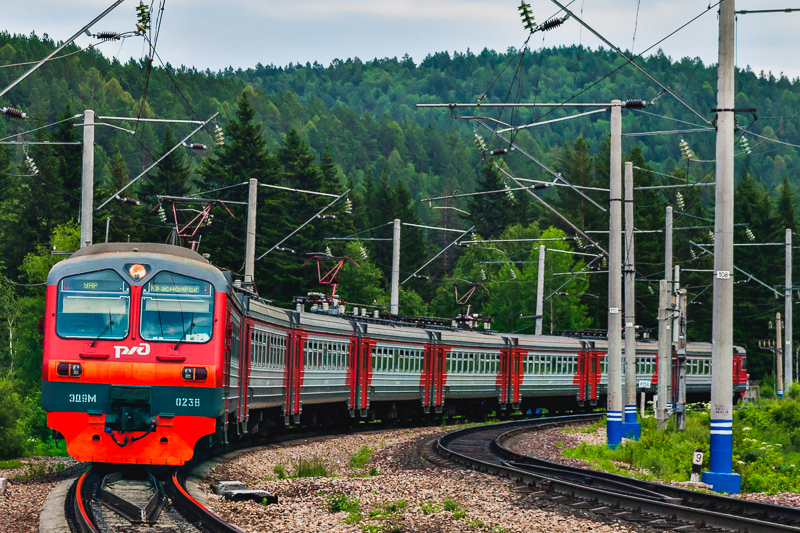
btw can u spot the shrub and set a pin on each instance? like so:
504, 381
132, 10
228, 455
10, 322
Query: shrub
342, 502
361, 457
451, 505
13, 436
430, 508
280, 471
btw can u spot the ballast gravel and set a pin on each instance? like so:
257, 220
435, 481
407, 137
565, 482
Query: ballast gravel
437, 499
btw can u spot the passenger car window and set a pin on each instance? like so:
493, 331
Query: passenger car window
177, 308
93, 306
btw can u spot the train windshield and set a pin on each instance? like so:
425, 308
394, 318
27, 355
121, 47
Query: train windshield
177, 308
93, 306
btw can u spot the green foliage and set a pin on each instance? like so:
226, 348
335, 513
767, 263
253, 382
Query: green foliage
342, 502
13, 436
314, 467
430, 508
280, 471
361, 457
451, 505
13, 463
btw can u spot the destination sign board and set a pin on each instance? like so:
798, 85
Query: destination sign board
104, 281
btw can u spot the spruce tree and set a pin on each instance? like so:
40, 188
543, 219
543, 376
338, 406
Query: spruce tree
490, 213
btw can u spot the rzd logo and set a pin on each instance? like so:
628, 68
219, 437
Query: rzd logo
142, 349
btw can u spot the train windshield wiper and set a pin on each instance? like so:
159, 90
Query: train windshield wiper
108, 328
185, 332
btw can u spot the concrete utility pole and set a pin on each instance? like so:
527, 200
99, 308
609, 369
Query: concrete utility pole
540, 292
720, 473
614, 356
787, 352
250, 243
680, 407
630, 427
664, 352
675, 325
395, 300
779, 355
668, 277
87, 185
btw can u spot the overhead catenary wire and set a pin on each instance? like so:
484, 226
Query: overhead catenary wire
443, 250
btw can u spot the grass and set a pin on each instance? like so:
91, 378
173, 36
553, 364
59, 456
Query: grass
430, 508
586, 429
36, 469
12, 463
314, 467
280, 472
361, 457
766, 447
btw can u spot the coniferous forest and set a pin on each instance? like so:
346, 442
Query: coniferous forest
353, 125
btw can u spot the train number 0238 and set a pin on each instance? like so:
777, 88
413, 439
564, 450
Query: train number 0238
187, 402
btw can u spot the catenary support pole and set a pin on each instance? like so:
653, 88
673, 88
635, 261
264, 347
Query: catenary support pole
720, 473
779, 354
540, 292
664, 343
787, 351
614, 401
668, 277
672, 395
680, 407
87, 185
250, 243
631, 429
395, 296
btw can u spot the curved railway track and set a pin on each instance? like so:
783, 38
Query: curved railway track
481, 448
90, 509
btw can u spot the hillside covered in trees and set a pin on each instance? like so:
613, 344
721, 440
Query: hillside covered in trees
353, 125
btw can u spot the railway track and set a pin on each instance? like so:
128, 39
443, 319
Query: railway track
102, 500
481, 448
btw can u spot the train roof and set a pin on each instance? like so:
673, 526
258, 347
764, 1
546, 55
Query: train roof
160, 257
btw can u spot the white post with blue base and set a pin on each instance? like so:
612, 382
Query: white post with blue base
614, 356
720, 475
631, 429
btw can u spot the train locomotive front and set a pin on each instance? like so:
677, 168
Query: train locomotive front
134, 342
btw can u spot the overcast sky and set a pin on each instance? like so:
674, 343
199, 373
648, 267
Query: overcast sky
242, 33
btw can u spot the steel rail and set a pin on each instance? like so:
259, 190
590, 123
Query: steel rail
486, 453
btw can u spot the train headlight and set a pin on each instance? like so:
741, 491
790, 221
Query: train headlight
69, 370
191, 373
137, 271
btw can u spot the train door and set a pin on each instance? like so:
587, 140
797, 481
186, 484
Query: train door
434, 373
244, 371
593, 375
588, 375
580, 376
226, 374
510, 373
293, 376
360, 370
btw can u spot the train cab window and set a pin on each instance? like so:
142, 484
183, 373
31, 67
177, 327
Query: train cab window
177, 308
93, 306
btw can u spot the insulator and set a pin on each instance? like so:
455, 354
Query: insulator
527, 18
694, 254
198, 146
745, 145
711, 235
553, 23
161, 214
679, 197
130, 201
143, 15
209, 219
685, 150
513, 274
348, 206
107, 36
14, 113
480, 144
501, 151
31, 166
363, 253
605, 262
510, 193
578, 241
219, 136
770, 324
750, 235
328, 251
650, 288
635, 104
483, 274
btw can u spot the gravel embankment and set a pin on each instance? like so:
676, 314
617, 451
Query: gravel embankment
549, 444
22, 501
484, 503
